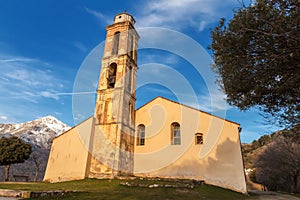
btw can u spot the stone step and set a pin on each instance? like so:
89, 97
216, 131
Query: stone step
29, 194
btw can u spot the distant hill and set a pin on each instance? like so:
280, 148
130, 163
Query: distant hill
39, 133
250, 151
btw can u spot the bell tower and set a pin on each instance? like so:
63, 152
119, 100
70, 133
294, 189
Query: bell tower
113, 136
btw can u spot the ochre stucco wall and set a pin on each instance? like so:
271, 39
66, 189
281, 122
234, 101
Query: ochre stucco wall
68, 159
218, 160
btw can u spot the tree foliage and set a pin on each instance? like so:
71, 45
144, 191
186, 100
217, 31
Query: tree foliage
13, 150
257, 56
278, 166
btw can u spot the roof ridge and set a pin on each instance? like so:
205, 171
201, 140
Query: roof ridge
187, 107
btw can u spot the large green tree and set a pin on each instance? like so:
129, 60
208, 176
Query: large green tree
257, 57
13, 150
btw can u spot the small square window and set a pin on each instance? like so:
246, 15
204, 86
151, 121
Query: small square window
199, 138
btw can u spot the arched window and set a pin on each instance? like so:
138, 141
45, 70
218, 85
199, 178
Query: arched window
111, 75
115, 48
175, 134
141, 135
199, 138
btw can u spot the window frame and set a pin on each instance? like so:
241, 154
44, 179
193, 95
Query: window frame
141, 135
116, 43
199, 141
111, 75
175, 134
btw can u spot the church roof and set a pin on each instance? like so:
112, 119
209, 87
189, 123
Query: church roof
163, 98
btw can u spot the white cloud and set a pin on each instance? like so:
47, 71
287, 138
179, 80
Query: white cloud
48, 94
152, 73
3, 117
30, 88
22, 76
213, 101
33, 97
80, 46
57, 113
95, 13
169, 59
216, 101
178, 14
25, 71
209, 103
27, 96
79, 117
27, 79
101, 17
17, 59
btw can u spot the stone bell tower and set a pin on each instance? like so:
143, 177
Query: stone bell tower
113, 136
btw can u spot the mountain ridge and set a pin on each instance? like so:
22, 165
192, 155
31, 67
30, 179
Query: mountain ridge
39, 132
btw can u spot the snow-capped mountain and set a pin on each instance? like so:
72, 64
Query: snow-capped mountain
39, 132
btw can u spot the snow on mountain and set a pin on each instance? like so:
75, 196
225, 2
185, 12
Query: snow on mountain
39, 132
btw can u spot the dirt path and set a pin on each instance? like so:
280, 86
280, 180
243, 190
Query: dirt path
272, 196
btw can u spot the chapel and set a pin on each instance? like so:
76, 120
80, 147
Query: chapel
162, 138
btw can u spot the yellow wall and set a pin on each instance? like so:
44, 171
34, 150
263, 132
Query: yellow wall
68, 159
218, 160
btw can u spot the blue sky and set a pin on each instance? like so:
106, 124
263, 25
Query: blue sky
44, 43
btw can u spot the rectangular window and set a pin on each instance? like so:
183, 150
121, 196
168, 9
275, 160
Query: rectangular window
175, 134
141, 135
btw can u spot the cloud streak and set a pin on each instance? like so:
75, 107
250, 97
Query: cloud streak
80, 46
46, 94
101, 17
179, 14
31, 88
20, 59
3, 117
27, 76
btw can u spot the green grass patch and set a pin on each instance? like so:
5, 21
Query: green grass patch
90, 189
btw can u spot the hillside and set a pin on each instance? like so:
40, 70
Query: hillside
250, 151
39, 133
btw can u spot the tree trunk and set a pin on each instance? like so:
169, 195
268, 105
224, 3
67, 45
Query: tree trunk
36, 173
7, 172
295, 182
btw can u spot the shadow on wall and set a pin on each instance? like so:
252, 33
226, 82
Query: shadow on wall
226, 167
190, 169
226, 158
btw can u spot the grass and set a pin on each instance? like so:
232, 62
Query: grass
90, 189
